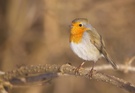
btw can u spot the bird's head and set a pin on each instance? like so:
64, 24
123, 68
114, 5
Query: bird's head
79, 26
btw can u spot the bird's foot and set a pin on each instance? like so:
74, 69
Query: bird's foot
90, 73
78, 68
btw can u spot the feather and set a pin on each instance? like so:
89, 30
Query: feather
97, 40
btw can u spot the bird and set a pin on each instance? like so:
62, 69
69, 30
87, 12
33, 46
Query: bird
87, 43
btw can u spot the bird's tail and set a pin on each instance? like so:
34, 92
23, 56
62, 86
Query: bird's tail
104, 52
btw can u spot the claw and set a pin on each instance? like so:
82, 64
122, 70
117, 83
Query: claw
78, 68
90, 74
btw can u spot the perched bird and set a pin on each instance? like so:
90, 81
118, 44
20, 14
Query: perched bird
87, 43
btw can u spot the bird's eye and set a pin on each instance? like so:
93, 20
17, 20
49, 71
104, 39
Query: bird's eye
80, 25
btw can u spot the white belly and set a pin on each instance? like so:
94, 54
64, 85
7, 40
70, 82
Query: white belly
85, 49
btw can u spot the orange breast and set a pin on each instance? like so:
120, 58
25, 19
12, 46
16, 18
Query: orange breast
76, 38
76, 33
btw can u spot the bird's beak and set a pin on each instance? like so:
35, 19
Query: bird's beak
70, 26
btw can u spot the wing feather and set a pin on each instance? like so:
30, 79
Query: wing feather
98, 42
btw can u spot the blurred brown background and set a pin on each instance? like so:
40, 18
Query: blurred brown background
37, 32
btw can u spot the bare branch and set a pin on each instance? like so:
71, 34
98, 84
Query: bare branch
42, 73
124, 68
109, 67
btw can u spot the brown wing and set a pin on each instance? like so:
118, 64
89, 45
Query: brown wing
96, 39
98, 42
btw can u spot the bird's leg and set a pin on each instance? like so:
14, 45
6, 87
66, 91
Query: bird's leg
80, 65
91, 71
78, 68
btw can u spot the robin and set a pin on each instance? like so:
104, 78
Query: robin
87, 43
